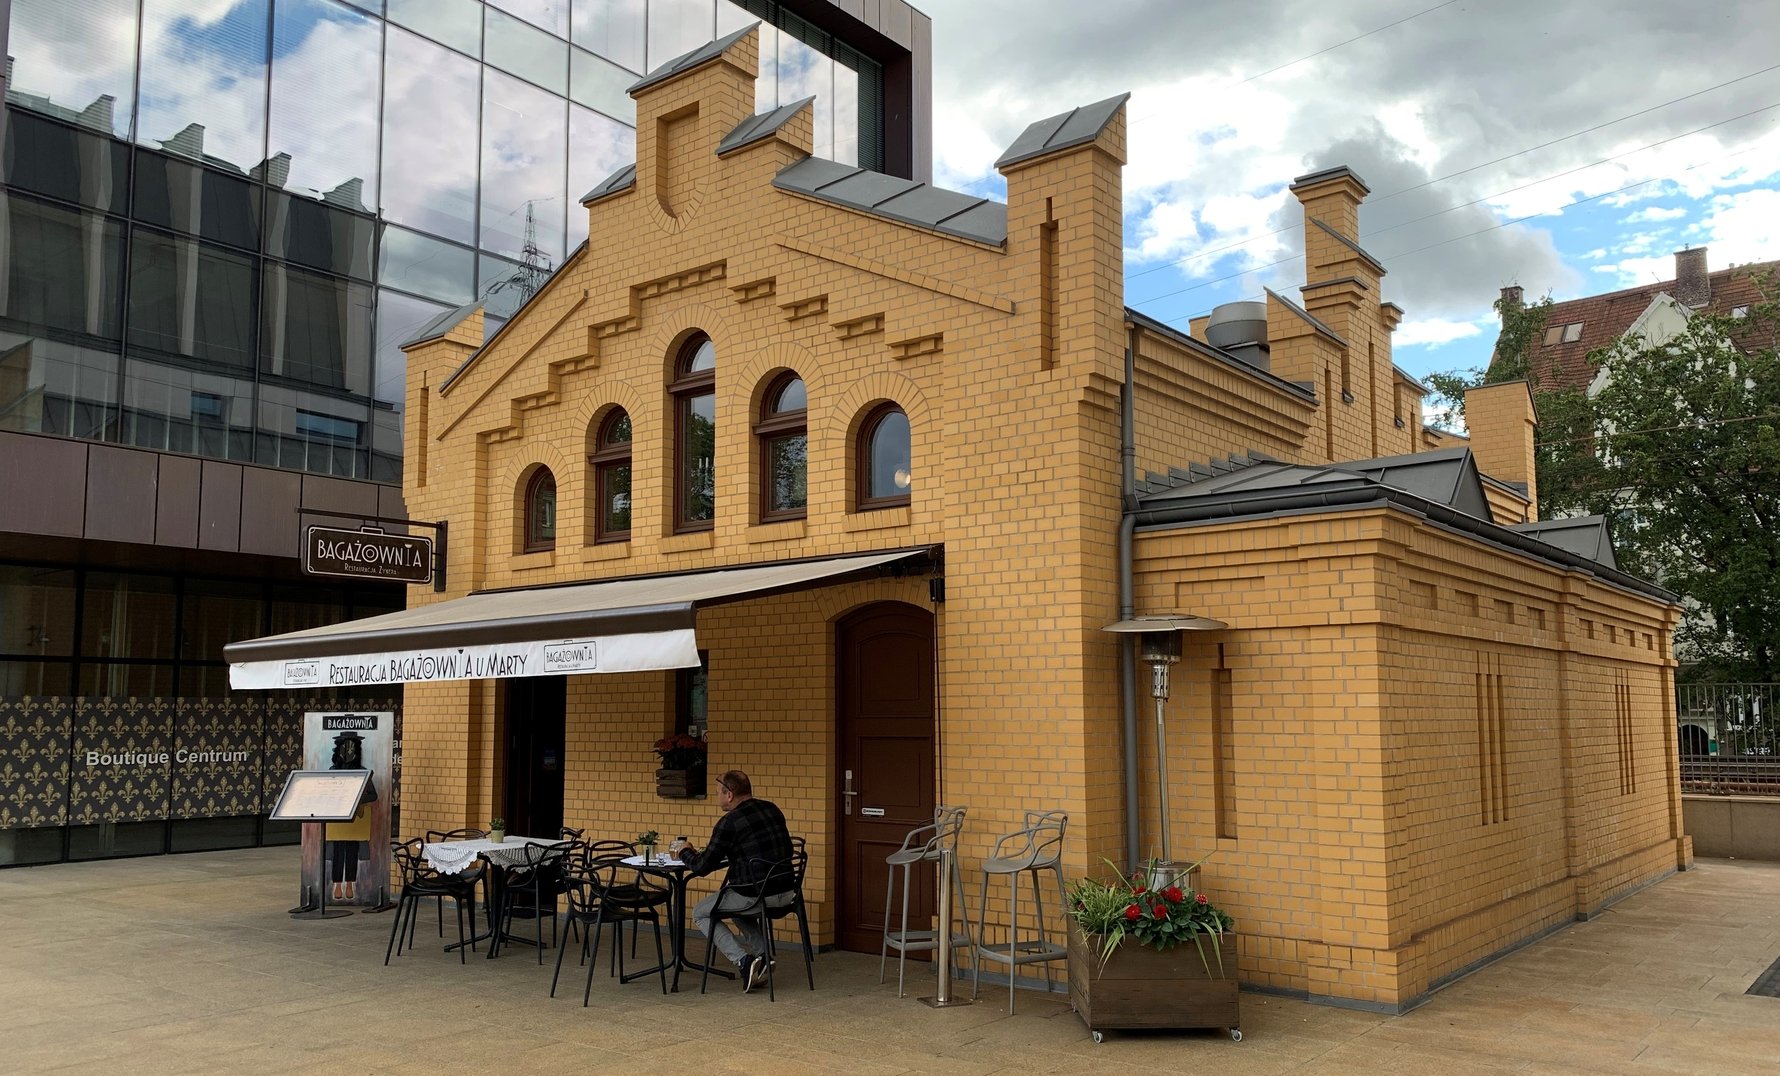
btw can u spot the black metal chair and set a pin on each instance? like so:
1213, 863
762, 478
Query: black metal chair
419, 882
769, 879
531, 889
605, 893
471, 875
800, 860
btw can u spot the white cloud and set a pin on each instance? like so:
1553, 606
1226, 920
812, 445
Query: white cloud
1434, 332
1654, 213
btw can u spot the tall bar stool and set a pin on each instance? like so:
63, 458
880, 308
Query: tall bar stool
1037, 847
922, 845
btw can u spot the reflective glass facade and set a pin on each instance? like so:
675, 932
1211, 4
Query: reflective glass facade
220, 217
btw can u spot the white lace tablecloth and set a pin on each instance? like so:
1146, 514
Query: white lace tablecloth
452, 857
660, 859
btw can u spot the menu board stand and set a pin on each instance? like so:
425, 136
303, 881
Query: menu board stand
312, 796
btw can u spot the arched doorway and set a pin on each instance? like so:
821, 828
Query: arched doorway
884, 669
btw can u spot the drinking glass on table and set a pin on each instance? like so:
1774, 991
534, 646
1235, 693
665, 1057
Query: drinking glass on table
679, 843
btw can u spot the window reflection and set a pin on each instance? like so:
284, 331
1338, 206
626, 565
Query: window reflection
127, 616
612, 28
303, 430
598, 84
551, 15
180, 409
325, 75
803, 72
431, 97
887, 472
317, 330
71, 59
398, 317
51, 386
522, 49
65, 162
192, 299
203, 80
63, 268
198, 201
524, 139
597, 147
426, 266
679, 26
36, 611
320, 236
457, 23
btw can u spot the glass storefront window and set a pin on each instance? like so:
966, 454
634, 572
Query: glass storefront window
426, 266
203, 81
320, 433
63, 269
519, 48
597, 147
71, 59
431, 98
320, 236
323, 115
205, 202
20, 678
192, 299
524, 161
613, 29
65, 162
214, 613
317, 330
179, 409
36, 611
679, 26
127, 616
111, 839
457, 23
551, 15
802, 72
598, 84
398, 317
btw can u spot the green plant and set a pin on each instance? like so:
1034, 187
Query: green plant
647, 840
680, 751
497, 824
1160, 916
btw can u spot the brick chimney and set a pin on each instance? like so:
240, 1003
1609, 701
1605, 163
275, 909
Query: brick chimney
1692, 288
1511, 300
1502, 424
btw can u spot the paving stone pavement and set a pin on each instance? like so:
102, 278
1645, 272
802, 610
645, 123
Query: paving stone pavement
189, 964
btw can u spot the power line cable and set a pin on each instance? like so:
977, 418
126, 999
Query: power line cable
1486, 164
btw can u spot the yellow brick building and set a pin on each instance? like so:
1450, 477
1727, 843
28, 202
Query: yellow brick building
1426, 735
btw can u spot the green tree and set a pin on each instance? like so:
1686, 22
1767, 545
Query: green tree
1689, 432
1568, 470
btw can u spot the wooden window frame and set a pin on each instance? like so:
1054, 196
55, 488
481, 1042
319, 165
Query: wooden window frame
532, 542
862, 472
606, 458
773, 427
685, 388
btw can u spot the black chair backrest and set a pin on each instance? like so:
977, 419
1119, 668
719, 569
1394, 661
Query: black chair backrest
434, 836
568, 833
764, 877
618, 882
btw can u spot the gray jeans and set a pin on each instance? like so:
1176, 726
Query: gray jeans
745, 939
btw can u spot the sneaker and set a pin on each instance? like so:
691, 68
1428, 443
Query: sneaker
745, 972
757, 972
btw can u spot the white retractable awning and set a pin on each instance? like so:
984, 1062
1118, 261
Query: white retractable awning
621, 625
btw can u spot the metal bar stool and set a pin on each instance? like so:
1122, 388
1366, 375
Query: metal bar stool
922, 845
1037, 847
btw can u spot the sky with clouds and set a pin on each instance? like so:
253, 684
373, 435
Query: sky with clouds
1568, 148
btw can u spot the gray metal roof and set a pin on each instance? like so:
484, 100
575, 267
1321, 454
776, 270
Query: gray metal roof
1586, 536
1309, 178
1071, 128
1314, 321
1351, 245
1446, 477
623, 179
687, 61
759, 126
1186, 340
963, 215
440, 325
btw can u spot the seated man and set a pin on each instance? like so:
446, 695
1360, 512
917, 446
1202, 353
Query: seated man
750, 829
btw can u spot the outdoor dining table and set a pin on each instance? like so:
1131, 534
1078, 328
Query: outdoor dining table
678, 876
454, 857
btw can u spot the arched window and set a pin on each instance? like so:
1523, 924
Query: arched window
884, 475
784, 450
694, 390
540, 511
611, 479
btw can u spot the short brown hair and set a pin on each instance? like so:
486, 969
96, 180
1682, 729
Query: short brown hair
737, 782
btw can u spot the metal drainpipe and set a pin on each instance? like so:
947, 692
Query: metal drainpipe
1127, 602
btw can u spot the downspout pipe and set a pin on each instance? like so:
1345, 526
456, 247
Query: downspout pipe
1127, 599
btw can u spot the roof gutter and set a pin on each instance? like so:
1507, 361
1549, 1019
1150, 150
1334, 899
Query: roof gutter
1384, 496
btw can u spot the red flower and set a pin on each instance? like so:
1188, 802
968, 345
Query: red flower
1133, 912
1160, 911
1173, 893
1201, 898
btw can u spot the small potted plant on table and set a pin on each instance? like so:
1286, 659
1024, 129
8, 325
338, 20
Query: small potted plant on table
647, 842
497, 830
1151, 952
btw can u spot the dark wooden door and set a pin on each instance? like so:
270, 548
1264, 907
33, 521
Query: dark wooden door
885, 669
534, 729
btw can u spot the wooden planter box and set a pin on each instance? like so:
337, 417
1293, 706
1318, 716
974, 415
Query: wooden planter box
680, 784
1141, 988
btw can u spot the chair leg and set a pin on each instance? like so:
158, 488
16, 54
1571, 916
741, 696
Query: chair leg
766, 933
538, 923
593, 960
395, 929
884, 950
957, 882
457, 904
1044, 936
710, 951
902, 958
439, 910
660, 960
809, 951
560, 950
976, 963
1013, 936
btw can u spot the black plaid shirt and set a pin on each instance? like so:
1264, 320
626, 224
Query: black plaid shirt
752, 829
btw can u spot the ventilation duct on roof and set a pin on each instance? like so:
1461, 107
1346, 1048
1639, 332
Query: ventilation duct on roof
1241, 330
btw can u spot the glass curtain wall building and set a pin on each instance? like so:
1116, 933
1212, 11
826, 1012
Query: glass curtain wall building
220, 218
217, 219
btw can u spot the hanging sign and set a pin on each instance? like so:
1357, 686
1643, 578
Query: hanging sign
367, 555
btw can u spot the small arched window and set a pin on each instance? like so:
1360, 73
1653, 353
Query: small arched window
884, 474
540, 511
694, 390
784, 450
611, 479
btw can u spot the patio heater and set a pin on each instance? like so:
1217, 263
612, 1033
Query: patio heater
1159, 646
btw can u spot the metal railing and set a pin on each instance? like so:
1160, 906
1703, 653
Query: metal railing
1729, 737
